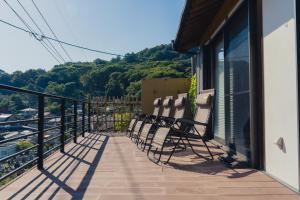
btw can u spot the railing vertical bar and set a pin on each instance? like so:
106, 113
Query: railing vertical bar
125, 111
97, 112
105, 105
40, 150
83, 119
75, 122
114, 113
121, 112
130, 108
62, 125
89, 115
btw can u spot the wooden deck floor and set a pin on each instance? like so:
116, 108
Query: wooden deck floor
108, 168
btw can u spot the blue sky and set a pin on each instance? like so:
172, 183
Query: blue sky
118, 26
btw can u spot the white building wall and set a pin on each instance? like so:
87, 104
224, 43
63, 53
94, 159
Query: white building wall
280, 90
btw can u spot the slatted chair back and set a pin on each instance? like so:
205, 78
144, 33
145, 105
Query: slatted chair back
157, 106
167, 106
204, 104
137, 128
180, 106
145, 131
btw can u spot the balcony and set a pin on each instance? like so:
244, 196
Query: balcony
97, 161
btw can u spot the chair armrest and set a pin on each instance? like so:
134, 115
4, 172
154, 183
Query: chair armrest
139, 116
172, 119
190, 122
151, 116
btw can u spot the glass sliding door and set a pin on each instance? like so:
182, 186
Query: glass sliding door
230, 56
219, 108
237, 97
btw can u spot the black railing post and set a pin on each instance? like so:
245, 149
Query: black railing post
83, 119
89, 116
40, 150
75, 122
62, 125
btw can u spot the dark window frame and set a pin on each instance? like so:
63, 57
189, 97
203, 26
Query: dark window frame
255, 76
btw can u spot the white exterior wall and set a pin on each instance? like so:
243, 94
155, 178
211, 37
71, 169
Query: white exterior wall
280, 90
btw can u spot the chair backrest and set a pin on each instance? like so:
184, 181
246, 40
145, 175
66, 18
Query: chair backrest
204, 104
167, 106
180, 106
157, 105
137, 127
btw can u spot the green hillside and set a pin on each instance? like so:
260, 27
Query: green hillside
117, 77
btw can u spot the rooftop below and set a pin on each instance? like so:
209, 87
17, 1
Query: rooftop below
106, 168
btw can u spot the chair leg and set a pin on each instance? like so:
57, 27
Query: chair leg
145, 141
198, 153
159, 157
149, 150
144, 145
184, 145
154, 153
212, 157
173, 151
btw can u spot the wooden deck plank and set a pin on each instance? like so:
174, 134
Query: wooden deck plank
107, 168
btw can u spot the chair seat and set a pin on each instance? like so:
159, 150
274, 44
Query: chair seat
145, 131
160, 137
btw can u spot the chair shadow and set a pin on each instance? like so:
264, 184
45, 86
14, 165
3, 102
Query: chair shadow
76, 156
212, 167
203, 164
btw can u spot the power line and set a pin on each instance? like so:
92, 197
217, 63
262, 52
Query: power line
40, 37
30, 29
66, 22
34, 22
51, 29
44, 45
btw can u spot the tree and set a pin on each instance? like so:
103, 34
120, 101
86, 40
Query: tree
23, 144
18, 80
16, 103
99, 61
134, 89
53, 107
116, 59
119, 76
96, 79
114, 88
4, 77
131, 58
55, 88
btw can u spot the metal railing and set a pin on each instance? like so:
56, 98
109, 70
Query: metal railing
47, 133
114, 113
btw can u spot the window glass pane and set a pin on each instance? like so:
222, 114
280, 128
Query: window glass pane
219, 114
237, 105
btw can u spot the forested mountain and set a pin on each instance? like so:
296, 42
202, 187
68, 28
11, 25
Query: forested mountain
117, 77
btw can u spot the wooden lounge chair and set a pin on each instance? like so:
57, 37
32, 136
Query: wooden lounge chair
148, 130
167, 107
133, 122
185, 129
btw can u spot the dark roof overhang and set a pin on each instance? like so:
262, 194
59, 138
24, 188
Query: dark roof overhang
196, 20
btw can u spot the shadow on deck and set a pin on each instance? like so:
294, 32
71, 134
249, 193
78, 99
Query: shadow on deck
103, 167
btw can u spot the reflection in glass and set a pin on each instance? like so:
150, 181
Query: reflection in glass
219, 116
237, 105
